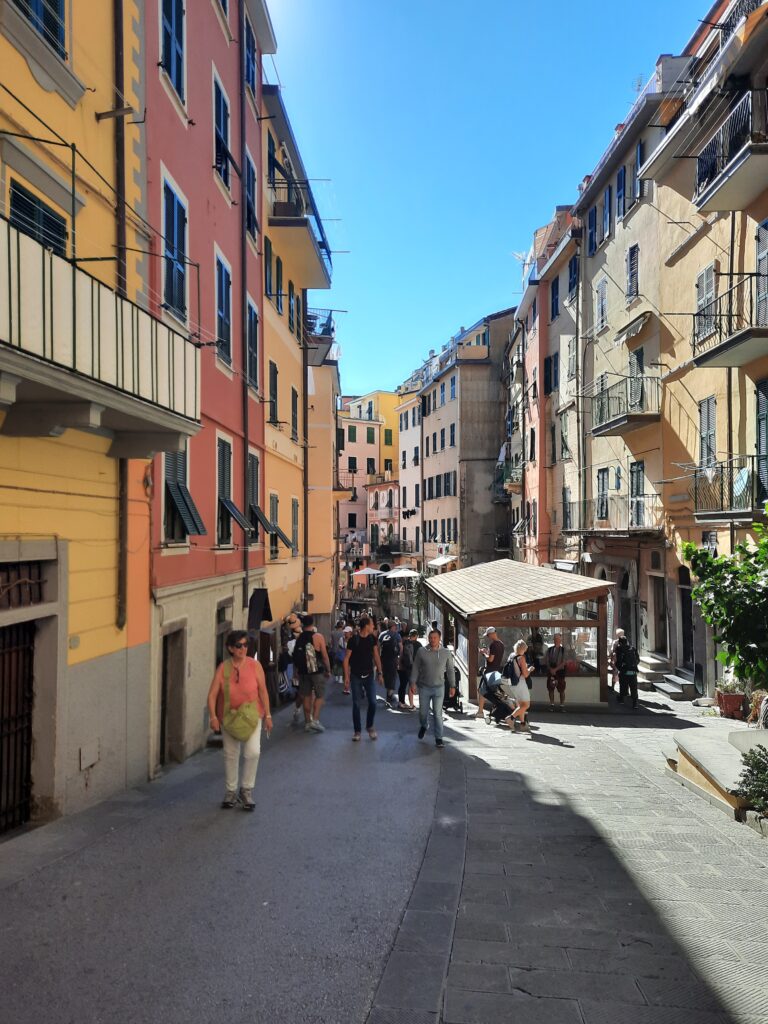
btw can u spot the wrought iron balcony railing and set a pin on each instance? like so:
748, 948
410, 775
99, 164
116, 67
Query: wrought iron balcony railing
733, 489
614, 513
741, 9
633, 397
746, 123
737, 309
293, 200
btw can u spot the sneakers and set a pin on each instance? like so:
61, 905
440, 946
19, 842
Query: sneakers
439, 744
245, 799
297, 715
316, 726
422, 732
230, 799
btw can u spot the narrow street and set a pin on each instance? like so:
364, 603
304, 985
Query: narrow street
555, 877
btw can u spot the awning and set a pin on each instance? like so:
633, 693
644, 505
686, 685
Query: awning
184, 504
441, 560
633, 327
283, 536
234, 511
258, 608
564, 565
261, 519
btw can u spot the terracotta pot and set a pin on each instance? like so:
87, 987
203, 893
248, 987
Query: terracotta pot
731, 704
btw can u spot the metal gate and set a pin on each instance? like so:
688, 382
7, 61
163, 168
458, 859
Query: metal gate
17, 644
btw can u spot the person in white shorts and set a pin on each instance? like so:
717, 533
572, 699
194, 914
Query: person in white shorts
520, 690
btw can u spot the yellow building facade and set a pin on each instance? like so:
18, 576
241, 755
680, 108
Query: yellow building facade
87, 392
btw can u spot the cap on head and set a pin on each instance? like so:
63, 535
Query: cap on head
490, 631
348, 629
413, 632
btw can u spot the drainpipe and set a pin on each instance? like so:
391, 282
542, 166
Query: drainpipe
729, 380
580, 442
244, 295
305, 469
119, 143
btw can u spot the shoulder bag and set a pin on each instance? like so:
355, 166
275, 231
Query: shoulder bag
240, 722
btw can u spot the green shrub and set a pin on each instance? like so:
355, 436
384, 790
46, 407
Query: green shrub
753, 784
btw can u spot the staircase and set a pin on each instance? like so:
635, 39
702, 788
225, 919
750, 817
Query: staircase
651, 670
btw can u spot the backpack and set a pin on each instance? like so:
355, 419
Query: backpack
388, 645
508, 672
630, 661
305, 655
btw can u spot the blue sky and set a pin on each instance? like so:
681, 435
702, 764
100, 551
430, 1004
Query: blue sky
449, 131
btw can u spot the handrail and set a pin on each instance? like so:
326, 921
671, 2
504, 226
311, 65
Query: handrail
744, 304
737, 485
747, 122
629, 396
614, 512
294, 199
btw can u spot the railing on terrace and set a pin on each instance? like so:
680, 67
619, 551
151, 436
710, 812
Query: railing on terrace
501, 542
319, 323
293, 199
739, 485
360, 594
743, 305
628, 397
741, 9
345, 479
58, 313
614, 513
402, 547
747, 122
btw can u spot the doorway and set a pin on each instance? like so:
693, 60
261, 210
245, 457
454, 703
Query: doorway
686, 616
172, 747
659, 590
17, 649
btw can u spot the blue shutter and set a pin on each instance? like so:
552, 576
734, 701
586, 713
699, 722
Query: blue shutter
547, 375
592, 231
607, 212
639, 159
175, 252
621, 180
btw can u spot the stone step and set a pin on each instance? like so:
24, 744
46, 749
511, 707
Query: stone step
655, 660
671, 690
686, 685
710, 766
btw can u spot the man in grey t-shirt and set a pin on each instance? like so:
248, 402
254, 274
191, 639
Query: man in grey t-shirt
428, 673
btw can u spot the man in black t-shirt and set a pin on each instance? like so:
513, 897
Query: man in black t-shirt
389, 651
493, 651
361, 665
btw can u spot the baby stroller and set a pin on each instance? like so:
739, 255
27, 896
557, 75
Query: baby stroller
453, 703
497, 692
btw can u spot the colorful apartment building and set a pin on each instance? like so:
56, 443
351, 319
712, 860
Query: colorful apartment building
409, 472
92, 383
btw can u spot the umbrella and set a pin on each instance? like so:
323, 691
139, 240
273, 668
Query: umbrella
368, 572
402, 574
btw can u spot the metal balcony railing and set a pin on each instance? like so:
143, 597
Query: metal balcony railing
740, 10
629, 397
737, 486
747, 122
614, 513
360, 594
743, 305
319, 323
402, 547
501, 542
292, 199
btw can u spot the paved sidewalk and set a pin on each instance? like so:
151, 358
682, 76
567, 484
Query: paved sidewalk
594, 889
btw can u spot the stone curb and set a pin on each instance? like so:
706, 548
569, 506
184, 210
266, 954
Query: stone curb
412, 988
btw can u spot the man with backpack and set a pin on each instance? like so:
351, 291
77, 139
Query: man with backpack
309, 653
389, 650
626, 659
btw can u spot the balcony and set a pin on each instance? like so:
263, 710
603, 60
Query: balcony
507, 480
402, 547
73, 353
733, 329
294, 220
318, 332
731, 490
625, 406
360, 595
501, 542
614, 513
732, 167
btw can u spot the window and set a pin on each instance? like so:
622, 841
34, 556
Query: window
404, 497
567, 519
294, 526
47, 18
452, 435
417, 495
33, 217
370, 411
442, 394
453, 388
416, 456
413, 416
251, 222
601, 509
448, 530
352, 520
403, 459
426, 453
173, 44
294, 414
273, 375
455, 529
271, 159
534, 385
434, 442
278, 284
548, 375
223, 311
573, 276
606, 213
707, 432
565, 451
532, 446
434, 529
371, 464
352, 434
592, 231
253, 509
438, 486
705, 303
637, 182
637, 494
417, 544
274, 517
442, 531
621, 179
181, 515
352, 463
224, 476
430, 484
387, 465
601, 304
453, 482
442, 438
554, 299
370, 435
534, 313
553, 442
633, 262
221, 133
253, 346
571, 358
388, 438
250, 58
447, 490
291, 307
267, 268
175, 263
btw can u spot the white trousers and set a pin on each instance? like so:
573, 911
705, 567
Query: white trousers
251, 748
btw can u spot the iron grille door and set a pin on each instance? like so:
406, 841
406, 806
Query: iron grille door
16, 699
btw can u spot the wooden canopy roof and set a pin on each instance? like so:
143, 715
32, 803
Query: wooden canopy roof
508, 588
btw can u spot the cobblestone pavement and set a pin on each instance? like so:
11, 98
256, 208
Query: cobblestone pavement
595, 889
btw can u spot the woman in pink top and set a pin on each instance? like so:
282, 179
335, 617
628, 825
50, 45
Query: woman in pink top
246, 684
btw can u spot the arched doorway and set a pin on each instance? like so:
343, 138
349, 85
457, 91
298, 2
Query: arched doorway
686, 617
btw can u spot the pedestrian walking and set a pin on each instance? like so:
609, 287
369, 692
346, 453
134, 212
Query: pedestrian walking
310, 659
349, 632
407, 653
362, 664
238, 702
389, 650
336, 649
428, 673
519, 672
492, 649
555, 663
620, 635
626, 659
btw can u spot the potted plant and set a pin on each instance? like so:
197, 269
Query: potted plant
730, 695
